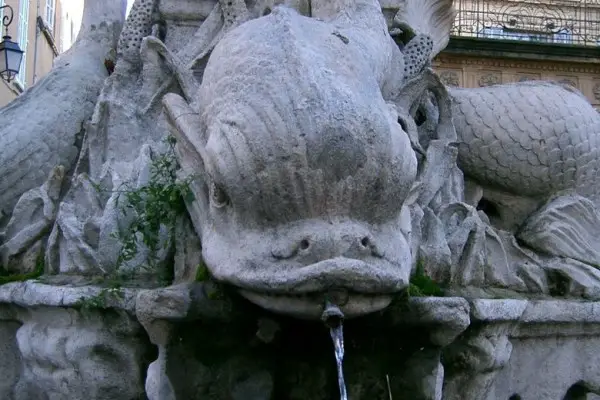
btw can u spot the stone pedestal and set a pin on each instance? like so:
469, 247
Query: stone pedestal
195, 341
554, 353
61, 342
10, 367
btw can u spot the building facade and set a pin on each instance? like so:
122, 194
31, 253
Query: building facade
71, 14
493, 41
40, 27
502, 41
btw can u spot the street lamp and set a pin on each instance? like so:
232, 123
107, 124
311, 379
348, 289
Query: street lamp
10, 53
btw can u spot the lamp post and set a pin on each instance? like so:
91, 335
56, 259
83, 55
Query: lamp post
10, 53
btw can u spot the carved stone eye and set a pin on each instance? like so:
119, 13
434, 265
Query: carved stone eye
218, 196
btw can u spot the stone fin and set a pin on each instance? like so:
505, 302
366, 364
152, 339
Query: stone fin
567, 226
431, 18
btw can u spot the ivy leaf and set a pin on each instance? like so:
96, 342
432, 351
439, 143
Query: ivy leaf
189, 196
153, 206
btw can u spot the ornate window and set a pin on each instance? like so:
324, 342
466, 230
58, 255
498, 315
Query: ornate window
544, 21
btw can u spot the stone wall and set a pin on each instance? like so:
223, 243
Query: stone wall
473, 71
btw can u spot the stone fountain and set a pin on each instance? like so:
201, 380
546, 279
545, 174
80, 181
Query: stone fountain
176, 226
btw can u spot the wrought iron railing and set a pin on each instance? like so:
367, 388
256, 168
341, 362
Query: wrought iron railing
573, 22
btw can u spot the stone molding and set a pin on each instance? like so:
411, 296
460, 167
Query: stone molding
452, 60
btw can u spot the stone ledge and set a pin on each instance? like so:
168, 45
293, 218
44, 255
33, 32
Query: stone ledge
180, 302
445, 317
196, 300
485, 310
540, 318
559, 318
35, 294
499, 48
557, 311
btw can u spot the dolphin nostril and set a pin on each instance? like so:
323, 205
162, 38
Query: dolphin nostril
304, 244
365, 242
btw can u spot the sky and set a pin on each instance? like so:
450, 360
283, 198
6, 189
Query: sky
129, 4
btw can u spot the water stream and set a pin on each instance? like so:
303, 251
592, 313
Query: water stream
337, 335
333, 317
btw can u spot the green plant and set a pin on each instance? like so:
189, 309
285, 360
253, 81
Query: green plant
100, 301
36, 273
213, 290
202, 273
152, 207
421, 284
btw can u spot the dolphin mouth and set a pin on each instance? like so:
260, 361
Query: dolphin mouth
355, 286
310, 305
354, 275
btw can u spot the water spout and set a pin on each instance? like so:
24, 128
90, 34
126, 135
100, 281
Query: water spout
332, 315
333, 318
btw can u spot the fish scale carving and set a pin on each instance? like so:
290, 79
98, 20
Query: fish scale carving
532, 138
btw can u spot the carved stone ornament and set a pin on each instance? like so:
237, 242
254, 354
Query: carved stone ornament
526, 78
450, 78
489, 80
568, 81
596, 91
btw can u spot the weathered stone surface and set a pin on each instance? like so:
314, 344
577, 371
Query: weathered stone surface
31, 220
10, 367
87, 236
473, 361
446, 318
568, 227
361, 249
535, 179
33, 294
458, 245
414, 123
199, 356
34, 142
188, 252
232, 359
136, 28
67, 355
553, 352
327, 163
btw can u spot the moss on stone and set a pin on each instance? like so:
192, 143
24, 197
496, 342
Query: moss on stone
202, 274
5, 277
421, 284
